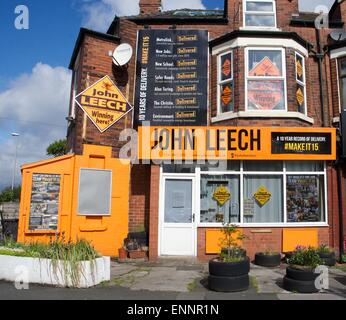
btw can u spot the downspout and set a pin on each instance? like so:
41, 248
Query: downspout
341, 218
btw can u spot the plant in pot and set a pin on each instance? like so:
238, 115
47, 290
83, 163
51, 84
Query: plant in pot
268, 258
327, 255
230, 271
300, 273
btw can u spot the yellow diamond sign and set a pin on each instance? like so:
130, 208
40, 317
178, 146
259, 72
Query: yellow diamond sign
299, 69
103, 103
300, 96
262, 196
221, 195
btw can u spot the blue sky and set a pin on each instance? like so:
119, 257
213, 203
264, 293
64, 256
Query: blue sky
34, 80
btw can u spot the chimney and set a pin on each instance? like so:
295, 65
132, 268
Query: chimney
149, 6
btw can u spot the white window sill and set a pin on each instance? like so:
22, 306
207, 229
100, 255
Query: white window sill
261, 114
268, 225
336, 119
260, 29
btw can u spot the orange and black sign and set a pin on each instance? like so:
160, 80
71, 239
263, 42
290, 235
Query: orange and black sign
238, 143
226, 71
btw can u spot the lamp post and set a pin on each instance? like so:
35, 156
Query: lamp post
13, 134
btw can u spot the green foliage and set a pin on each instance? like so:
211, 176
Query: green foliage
7, 195
305, 257
231, 236
343, 258
323, 248
57, 148
65, 256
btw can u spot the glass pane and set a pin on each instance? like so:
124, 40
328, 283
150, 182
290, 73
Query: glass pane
226, 67
44, 205
343, 93
305, 198
266, 95
300, 68
178, 201
265, 63
259, 20
231, 165
263, 165
94, 195
219, 198
263, 199
342, 64
226, 97
179, 168
300, 98
259, 6
302, 166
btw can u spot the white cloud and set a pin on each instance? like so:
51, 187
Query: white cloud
30, 103
99, 14
182, 4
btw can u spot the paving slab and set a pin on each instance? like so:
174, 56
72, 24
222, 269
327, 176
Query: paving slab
309, 296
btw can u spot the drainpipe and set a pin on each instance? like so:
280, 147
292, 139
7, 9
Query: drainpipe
320, 56
341, 218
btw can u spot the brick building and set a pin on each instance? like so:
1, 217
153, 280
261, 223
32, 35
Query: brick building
269, 67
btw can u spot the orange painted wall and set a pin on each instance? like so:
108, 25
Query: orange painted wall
105, 232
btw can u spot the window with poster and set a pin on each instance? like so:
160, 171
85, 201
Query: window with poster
301, 83
265, 79
225, 83
342, 82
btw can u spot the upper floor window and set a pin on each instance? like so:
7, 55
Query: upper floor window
265, 79
342, 82
301, 83
260, 13
225, 83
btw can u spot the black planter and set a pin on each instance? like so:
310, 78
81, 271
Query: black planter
300, 280
229, 276
329, 259
267, 260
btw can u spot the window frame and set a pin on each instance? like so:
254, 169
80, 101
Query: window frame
303, 84
340, 86
245, 13
284, 173
222, 82
283, 77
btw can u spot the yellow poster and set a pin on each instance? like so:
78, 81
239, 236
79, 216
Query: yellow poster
221, 195
262, 196
103, 103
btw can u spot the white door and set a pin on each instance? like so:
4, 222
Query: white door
177, 217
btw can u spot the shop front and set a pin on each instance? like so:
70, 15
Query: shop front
272, 189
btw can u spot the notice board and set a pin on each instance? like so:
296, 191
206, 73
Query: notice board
172, 78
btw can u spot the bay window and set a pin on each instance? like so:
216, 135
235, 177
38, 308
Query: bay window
225, 83
260, 13
342, 82
265, 79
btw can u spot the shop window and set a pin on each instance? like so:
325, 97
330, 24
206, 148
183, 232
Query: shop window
265, 79
44, 204
179, 168
225, 83
342, 81
94, 194
305, 198
305, 166
219, 199
220, 166
263, 199
263, 165
300, 83
260, 13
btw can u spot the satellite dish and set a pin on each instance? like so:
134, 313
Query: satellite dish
338, 35
122, 54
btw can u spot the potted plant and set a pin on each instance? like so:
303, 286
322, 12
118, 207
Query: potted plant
122, 254
268, 258
327, 255
300, 273
230, 271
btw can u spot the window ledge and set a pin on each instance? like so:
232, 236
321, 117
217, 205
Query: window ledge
260, 28
268, 225
261, 114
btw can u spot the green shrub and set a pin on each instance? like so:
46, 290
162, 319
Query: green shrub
343, 258
305, 257
323, 248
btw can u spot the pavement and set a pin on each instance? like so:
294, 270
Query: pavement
176, 279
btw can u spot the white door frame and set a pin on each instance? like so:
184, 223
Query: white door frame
176, 176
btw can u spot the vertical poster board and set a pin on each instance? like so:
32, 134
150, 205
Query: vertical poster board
44, 206
172, 78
